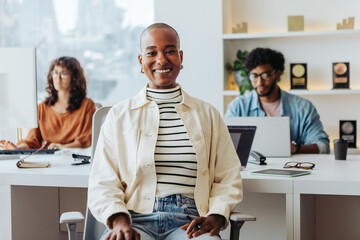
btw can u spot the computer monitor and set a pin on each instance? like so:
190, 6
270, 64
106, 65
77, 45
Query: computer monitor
18, 93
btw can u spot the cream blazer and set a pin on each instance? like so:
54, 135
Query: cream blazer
123, 174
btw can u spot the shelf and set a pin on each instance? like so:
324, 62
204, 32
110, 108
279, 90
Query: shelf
306, 92
235, 36
325, 92
231, 93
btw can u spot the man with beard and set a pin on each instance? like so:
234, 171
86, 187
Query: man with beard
267, 99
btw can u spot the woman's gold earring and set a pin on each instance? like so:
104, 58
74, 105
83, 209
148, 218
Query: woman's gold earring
142, 70
181, 66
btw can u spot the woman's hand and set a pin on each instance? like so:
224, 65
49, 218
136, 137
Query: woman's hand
198, 226
4, 144
122, 229
54, 146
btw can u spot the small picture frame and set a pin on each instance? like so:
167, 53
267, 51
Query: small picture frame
298, 75
348, 132
341, 75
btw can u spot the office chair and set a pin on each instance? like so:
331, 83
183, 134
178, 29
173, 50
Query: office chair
93, 229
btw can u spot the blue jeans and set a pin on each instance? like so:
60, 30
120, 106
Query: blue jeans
164, 223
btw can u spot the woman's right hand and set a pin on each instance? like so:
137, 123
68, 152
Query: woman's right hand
122, 229
54, 146
4, 144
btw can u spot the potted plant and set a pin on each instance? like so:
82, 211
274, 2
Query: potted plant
240, 73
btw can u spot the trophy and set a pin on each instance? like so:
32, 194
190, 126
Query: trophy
348, 132
298, 75
341, 74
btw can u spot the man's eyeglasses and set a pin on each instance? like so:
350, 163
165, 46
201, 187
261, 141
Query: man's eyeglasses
303, 165
62, 75
264, 75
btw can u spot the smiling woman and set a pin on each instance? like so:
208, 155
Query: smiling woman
162, 159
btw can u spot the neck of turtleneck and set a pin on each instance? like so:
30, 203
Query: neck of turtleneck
165, 95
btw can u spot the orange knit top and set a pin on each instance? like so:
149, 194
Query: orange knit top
62, 128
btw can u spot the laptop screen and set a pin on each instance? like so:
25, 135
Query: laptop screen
242, 137
272, 137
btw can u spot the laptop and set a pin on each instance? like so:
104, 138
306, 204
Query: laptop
272, 138
242, 138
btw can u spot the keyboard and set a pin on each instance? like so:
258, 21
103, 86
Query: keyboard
27, 151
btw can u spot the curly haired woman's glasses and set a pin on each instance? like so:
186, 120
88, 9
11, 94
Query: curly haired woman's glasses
62, 75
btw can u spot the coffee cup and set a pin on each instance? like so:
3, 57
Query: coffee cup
340, 149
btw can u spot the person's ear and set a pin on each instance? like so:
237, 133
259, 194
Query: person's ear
278, 74
140, 59
181, 55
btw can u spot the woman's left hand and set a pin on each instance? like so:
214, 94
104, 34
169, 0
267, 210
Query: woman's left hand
54, 146
198, 226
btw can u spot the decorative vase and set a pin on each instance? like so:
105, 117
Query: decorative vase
232, 84
242, 82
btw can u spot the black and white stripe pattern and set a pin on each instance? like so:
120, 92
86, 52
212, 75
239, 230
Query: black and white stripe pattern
175, 158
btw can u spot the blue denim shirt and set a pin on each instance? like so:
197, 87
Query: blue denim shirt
305, 125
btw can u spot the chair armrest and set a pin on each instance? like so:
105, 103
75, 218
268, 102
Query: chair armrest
71, 217
237, 220
241, 217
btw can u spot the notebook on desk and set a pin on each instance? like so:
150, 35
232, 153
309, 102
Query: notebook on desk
242, 138
281, 172
272, 138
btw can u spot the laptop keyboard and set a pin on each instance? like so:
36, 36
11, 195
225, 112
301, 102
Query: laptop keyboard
27, 151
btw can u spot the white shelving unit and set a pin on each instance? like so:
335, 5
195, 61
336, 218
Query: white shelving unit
319, 45
316, 48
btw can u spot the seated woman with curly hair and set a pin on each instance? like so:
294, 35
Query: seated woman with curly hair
65, 117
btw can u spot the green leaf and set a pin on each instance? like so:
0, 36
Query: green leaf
242, 90
237, 65
239, 55
244, 72
228, 67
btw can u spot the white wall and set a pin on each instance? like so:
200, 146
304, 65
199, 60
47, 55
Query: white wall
199, 26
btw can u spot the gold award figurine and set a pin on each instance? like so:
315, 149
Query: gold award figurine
346, 24
240, 28
295, 23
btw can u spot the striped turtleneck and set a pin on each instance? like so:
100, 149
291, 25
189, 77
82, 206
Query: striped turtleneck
175, 157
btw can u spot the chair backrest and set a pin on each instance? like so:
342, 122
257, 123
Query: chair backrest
98, 119
94, 229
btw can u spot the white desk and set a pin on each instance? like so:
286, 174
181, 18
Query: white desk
60, 174
332, 177
329, 177
269, 189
